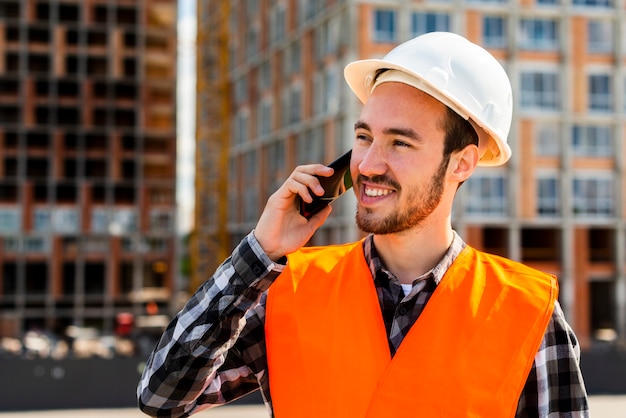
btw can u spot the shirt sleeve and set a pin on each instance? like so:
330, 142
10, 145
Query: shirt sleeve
213, 351
555, 386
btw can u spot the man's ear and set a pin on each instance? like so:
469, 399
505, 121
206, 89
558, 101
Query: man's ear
463, 163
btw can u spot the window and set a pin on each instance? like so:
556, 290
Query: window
123, 221
241, 90
295, 107
600, 97
42, 219
264, 117
548, 195
593, 195
36, 245
251, 197
252, 42
310, 146
99, 220
385, 26
600, 39
592, 141
10, 220
539, 34
422, 23
277, 23
241, 127
593, 3
265, 75
65, 220
161, 220
548, 140
275, 155
332, 90
540, 90
494, 32
486, 195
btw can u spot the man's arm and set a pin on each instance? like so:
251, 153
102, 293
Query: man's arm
555, 386
214, 350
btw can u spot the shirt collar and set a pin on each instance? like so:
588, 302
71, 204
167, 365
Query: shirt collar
376, 266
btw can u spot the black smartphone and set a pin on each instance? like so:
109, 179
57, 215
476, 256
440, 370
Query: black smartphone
334, 186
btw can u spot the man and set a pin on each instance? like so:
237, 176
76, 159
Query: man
408, 321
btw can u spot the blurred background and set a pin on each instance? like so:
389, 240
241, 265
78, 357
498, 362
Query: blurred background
136, 151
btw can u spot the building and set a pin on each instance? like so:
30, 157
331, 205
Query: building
558, 205
87, 162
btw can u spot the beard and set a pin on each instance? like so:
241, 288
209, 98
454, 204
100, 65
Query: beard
420, 204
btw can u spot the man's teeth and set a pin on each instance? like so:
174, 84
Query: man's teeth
376, 192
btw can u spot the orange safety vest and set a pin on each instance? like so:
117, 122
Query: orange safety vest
468, 354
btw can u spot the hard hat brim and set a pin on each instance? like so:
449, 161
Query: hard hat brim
360, 77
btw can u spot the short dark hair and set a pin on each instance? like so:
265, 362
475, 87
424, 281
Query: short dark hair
459, 132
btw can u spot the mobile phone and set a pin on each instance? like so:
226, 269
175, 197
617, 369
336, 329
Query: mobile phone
334, 186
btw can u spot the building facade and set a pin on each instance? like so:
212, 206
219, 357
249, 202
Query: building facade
87, 162
558, 205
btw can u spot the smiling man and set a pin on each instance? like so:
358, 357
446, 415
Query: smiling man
410, 320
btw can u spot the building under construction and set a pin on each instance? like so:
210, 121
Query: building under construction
558, 205
87, 162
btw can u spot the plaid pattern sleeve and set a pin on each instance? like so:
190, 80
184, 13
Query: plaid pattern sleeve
213, 351
555, 386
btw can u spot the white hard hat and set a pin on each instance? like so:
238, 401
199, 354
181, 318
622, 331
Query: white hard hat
455, 71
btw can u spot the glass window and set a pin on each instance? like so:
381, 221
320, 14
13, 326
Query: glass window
539, 34
241, 90
264, 117
12, 244
593, 3
295, 107
592, 141
310, 146
494, 32
385, 25
331, 86
251, 197
241, 127
65, 220
600, 39
548, 139
265, 75
486, 195
161, 220
277, 23
600, 97
422, 23
123, 221
593, 195
42, 219
36, 245
275, 165
252, 42
540, 90
10, 220
99, 220
548, 195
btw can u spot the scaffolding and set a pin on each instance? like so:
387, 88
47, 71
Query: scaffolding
210, 241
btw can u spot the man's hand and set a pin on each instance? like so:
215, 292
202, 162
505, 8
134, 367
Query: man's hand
281, 229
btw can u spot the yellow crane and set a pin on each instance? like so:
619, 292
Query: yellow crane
210, 240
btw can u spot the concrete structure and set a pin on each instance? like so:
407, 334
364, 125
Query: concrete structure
557, 205
87, 161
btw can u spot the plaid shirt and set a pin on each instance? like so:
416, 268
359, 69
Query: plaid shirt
213, 352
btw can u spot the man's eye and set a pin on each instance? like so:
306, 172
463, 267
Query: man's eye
401, 144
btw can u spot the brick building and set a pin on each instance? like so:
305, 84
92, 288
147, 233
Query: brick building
87, 161
557, 205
